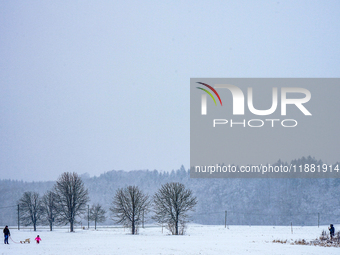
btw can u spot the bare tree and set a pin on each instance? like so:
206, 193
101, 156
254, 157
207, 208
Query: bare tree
49, 208
128, 207
172, 202
97, 214
71, 198
30, 209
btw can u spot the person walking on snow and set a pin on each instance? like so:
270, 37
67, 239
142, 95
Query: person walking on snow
38, 239
331, 231
6, 234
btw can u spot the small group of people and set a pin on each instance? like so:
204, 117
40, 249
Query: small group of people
7, 234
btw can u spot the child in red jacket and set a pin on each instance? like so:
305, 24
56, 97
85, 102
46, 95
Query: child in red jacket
38, 239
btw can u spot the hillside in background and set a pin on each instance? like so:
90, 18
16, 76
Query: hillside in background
247, 201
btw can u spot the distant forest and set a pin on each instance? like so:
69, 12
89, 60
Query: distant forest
240, 201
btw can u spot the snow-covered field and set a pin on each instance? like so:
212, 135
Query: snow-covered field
199, 239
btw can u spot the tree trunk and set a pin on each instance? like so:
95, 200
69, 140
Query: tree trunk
95, 224
133, 215
176, 226
71, 226
133, 227
51, 220
35, 226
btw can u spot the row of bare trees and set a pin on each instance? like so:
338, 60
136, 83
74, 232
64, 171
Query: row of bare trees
171, 205
68, 201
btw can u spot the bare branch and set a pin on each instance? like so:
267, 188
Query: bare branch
71, 198
97, 214
128, 206
49, 208
30, 209
172, 202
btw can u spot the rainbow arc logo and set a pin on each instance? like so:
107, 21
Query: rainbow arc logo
204, 97
212, 89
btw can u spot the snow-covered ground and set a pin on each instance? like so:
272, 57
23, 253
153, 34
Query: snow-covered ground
199, 239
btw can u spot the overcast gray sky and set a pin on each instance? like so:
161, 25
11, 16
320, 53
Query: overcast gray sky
91, 86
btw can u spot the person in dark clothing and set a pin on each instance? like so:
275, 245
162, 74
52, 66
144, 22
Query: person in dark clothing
331, 231
6, 234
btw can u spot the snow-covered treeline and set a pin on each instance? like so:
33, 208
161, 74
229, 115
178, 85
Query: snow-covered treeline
238, 201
